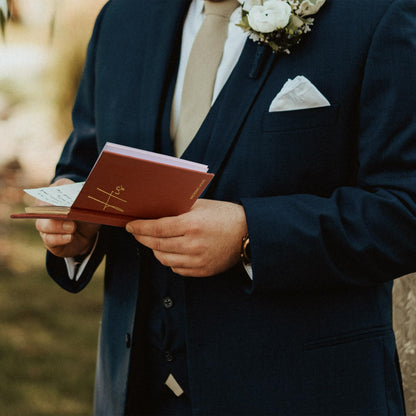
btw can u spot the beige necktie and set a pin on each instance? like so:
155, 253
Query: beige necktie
201, 71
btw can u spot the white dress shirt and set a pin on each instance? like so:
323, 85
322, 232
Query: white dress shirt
233, 47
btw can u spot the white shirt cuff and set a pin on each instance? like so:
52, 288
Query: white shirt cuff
74, 268
249, 270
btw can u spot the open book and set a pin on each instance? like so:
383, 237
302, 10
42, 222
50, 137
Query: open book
125, 184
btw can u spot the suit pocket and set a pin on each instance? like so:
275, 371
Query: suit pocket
349, 337
350, 375
300, 119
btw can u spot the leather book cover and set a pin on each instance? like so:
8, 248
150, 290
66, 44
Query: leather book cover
127, 184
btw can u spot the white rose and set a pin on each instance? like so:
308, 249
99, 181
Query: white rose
248, 4
272, 15
308, 7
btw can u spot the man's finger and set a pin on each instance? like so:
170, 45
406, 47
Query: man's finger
162, 228
167, 245
181, 261
56, 240
55, 226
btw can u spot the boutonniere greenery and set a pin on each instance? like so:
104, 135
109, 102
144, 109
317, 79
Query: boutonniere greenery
279, 24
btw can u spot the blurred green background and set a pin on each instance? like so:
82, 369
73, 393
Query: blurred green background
48, 337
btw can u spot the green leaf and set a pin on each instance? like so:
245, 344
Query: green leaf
244, 24
295, 22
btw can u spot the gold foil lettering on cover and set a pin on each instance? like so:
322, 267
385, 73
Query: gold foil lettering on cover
198, 188
111, 198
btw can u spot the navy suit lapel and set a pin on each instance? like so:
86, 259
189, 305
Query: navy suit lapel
163, 45
220, 128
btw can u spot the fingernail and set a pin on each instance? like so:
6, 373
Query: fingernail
129, 228
67, 237
67, 226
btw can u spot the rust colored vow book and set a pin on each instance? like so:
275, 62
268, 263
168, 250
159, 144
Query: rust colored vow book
124, 184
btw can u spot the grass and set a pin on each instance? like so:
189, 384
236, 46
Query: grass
49, 337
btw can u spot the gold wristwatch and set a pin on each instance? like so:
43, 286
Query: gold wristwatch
245, 253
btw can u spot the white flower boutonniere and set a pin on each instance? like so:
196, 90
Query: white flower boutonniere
278, 23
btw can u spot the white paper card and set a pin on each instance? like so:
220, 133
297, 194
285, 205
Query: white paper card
62, 196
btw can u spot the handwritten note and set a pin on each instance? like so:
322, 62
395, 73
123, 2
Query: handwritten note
63, 196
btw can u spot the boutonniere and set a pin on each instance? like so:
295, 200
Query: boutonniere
280, 24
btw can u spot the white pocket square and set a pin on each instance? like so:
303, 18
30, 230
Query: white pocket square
297, 94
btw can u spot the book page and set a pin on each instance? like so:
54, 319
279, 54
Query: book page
154, 157
63, 195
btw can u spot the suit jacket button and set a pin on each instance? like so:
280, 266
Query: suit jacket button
128, 340
169, 356
167, 302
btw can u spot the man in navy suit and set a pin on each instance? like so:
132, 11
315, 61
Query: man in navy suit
323, 197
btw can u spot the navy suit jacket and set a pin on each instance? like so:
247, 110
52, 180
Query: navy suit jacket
329, 194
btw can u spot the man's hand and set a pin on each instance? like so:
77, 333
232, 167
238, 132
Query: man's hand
203, 242
66, 238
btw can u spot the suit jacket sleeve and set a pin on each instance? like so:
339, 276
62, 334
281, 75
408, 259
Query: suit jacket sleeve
364, 234
57, 269
77, 159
